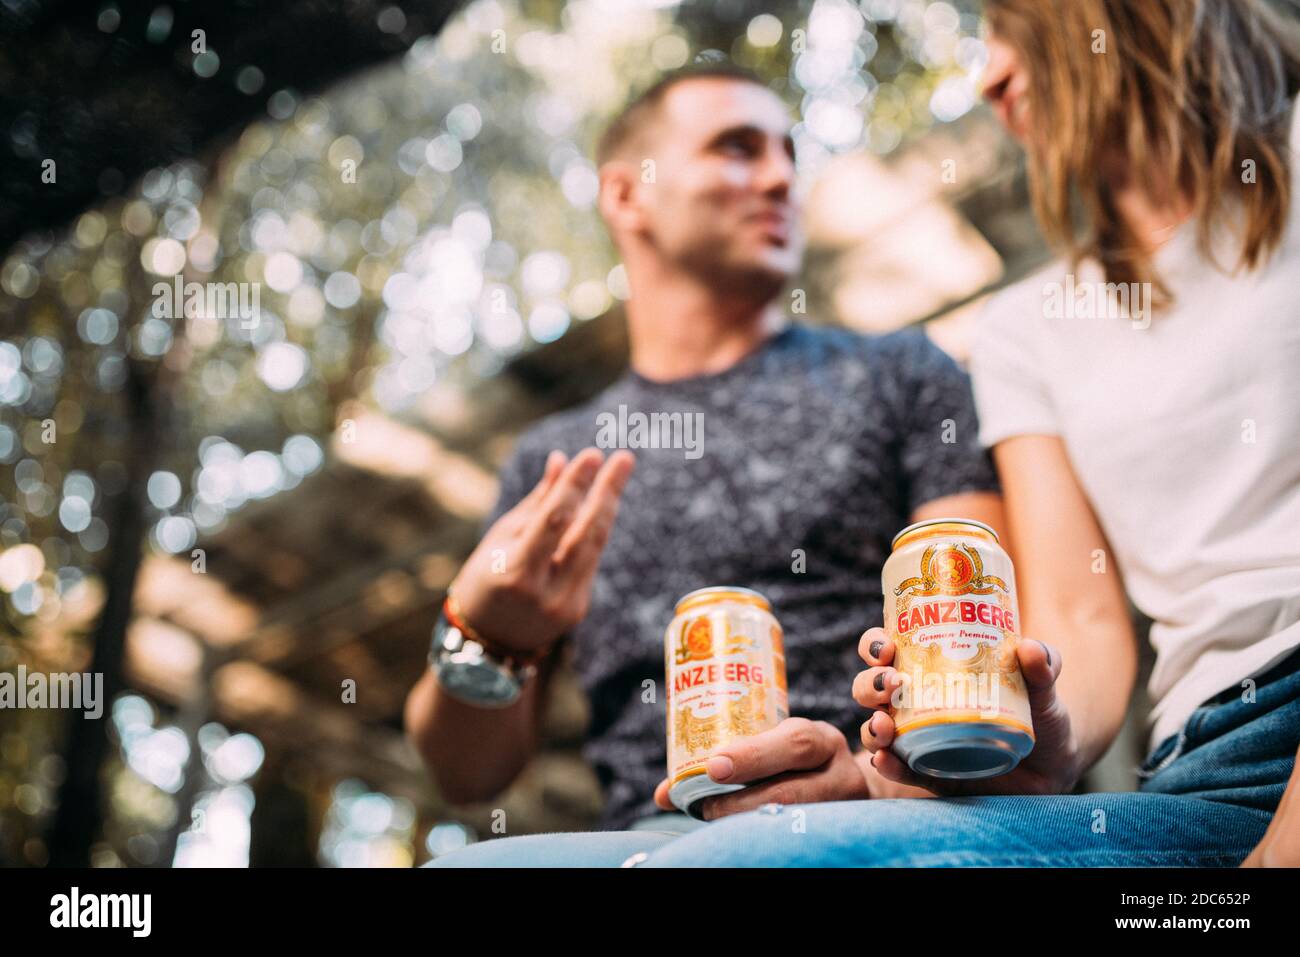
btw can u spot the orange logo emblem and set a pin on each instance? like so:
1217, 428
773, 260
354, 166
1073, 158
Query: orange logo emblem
697, 641
951, 571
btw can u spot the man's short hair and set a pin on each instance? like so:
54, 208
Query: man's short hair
642, 108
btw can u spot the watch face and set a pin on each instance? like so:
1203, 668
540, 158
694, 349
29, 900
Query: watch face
466, 672
478, 681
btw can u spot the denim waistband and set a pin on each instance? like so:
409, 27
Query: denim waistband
1239, 746
1287, 666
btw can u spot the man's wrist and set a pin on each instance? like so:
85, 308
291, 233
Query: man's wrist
468, 670
494, 646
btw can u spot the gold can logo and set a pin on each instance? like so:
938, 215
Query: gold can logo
697, 640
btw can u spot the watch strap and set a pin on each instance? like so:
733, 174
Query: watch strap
451, 610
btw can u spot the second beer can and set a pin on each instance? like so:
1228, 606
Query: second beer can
950, 608
725, 665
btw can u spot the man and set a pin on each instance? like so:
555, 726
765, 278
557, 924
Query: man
814, 447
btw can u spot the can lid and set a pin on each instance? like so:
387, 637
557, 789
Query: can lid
959, 526
720, 593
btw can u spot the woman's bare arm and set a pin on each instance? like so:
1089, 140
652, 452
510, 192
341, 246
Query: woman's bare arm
1071, 595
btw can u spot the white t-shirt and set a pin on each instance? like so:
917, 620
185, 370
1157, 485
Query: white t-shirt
1185, 435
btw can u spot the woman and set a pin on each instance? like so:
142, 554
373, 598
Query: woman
1141, 397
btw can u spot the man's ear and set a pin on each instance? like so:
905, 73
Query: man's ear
620, 197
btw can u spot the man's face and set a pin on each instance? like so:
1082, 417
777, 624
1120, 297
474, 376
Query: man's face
721, 205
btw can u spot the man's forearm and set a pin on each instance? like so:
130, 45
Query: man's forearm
473, 752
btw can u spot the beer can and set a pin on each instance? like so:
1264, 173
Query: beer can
725, 665
950, 607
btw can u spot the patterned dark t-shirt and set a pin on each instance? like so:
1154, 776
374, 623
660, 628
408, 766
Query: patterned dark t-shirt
815, 451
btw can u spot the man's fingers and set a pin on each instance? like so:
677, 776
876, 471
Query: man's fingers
875, 647
793, 788
558, 507
661, 797
796, 744
878, 731
555, 463
874, 688
524, 509
590, 529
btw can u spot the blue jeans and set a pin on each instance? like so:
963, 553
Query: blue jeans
1207, 795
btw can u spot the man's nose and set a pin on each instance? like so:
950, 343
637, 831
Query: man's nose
776, 175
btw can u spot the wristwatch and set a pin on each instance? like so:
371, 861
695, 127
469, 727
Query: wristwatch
473, 670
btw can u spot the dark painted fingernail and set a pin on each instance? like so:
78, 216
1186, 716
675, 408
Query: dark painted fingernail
880, 681
870, 730
875, 648
1047, 651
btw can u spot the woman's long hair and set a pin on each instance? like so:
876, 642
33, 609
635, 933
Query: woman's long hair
1188, 100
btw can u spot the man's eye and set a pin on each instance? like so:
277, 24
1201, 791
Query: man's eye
737, 148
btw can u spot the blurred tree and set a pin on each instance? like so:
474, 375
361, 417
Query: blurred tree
105, 92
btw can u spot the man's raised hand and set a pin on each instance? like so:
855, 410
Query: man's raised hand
529, 579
